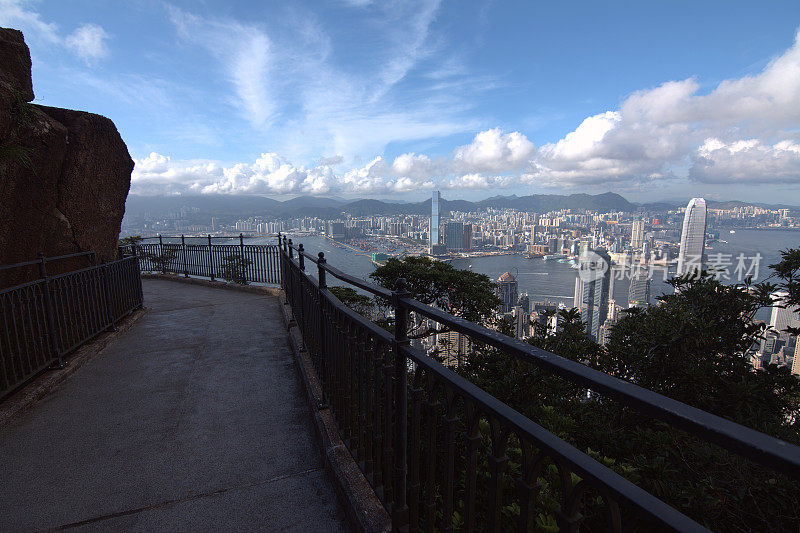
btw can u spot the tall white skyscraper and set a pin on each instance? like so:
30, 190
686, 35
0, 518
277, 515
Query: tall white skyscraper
693, 237
435, 219
637, 234
782, 317
593, 288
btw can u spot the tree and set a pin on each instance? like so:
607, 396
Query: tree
360, 303
462, 293
234, 268
694, 347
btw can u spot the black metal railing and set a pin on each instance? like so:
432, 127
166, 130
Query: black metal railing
252, 263
44, 320
436, 448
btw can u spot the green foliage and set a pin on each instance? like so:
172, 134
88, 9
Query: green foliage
694, 347
360, 303
161, 261
788, 272
462, 293
234, 268
131, 240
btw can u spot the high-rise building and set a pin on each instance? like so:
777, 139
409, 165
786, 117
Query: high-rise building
435, 219
593, 288
467, 237
507, 290
336, 231
637, 234
454, 236
693, 237
782, 317
639, 289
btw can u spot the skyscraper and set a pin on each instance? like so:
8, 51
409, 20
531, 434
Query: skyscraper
693, 237
454, 236
637, 234
593, 288
508, 289
435, 219
639, 289
782, 317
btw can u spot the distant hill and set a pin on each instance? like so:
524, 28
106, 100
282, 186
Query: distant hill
245, 206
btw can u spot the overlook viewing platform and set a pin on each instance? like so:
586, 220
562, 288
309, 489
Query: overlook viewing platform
191, 420
204, 415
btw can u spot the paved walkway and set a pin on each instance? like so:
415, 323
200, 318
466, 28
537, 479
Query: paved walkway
193, 420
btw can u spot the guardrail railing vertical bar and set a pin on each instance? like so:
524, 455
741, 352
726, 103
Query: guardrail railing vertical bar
210, 259
48, 309
400, 508
185, 259
322, 357
111, 322
161, 255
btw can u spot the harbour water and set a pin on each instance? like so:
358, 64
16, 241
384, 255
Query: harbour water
555, 281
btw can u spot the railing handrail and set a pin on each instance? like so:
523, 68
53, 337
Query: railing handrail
46, 259
755, 445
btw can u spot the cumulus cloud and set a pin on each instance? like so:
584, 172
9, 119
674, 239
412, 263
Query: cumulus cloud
745, 130
493, 150
273, 175
746, 161
659, 130
88, 42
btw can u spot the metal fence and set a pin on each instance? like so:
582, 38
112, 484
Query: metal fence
436, 448
256, 263
44, 320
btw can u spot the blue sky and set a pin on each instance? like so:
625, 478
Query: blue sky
359, 98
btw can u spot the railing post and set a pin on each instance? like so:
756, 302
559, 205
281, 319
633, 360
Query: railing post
107, 296
210, 259
322, 342
399, 506
291, 253
241, 257
185, 260
281, 271
161, 254
321, 271
48, 311
300, 256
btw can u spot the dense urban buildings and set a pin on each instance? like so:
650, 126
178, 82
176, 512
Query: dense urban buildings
643, 246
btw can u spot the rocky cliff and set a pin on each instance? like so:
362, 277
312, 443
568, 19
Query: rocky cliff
64, 175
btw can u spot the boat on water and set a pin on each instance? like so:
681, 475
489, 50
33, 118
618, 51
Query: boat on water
733, 231
554, 256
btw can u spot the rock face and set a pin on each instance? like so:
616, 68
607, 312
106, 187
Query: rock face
64, 175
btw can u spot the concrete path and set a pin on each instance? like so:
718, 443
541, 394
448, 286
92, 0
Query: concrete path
194, 420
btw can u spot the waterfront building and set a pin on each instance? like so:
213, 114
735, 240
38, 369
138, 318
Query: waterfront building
693, 237
508, 291
639, 289
454, 236
593, 288
435, 220
782, 317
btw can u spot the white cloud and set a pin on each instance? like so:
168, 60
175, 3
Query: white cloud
658, 133
88, 42
493, 150
746, 161
244, 53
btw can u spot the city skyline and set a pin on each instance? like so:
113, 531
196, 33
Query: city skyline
366, 99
